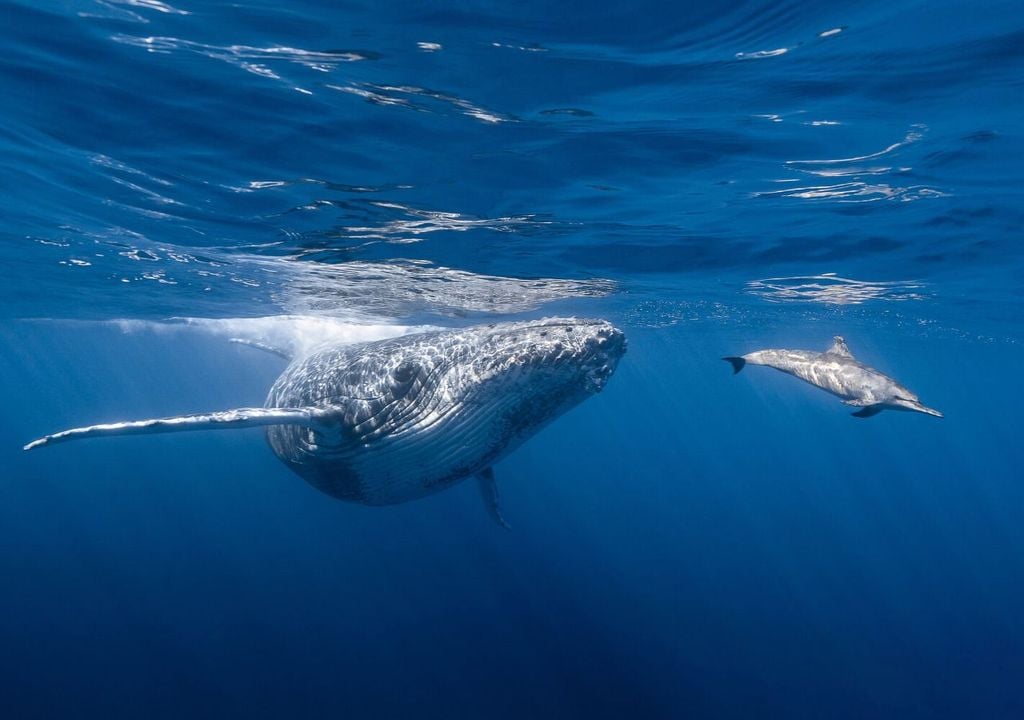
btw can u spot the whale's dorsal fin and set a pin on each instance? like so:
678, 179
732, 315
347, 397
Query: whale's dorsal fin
838, 347
313, 417
272, 349
489, 491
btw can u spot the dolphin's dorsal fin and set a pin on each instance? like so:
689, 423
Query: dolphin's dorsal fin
489, 491
313, 417
838, 347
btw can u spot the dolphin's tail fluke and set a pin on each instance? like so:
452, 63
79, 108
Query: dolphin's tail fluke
226, 420
736, 362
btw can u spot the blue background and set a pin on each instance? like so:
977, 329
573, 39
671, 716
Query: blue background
688, 543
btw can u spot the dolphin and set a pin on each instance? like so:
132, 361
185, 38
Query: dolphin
838, 372
386, 422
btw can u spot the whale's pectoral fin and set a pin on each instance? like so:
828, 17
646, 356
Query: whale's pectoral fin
273, 350
838, 347
489, 490
316, 418
868, 411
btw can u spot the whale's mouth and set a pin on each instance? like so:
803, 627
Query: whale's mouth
598, 377
603, 351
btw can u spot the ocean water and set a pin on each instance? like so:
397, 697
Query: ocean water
714, 178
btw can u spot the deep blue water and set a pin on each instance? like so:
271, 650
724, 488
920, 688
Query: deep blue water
715, 178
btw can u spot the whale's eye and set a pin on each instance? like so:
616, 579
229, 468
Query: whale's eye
404, 372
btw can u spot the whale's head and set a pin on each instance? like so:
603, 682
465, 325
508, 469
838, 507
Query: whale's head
415, 414
520, 375
565, 356
506, 381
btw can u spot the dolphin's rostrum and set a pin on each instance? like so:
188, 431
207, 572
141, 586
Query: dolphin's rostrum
838, 372
390, 421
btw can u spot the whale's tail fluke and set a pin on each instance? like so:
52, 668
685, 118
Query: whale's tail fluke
226, 420
736, 362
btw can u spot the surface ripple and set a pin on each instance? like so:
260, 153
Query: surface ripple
191, 159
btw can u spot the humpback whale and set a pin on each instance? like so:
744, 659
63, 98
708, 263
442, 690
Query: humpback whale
390, 421
838, 372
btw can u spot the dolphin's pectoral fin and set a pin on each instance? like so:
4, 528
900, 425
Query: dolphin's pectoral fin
489, 490
868, 411
838, 347
273, 350
315, 418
